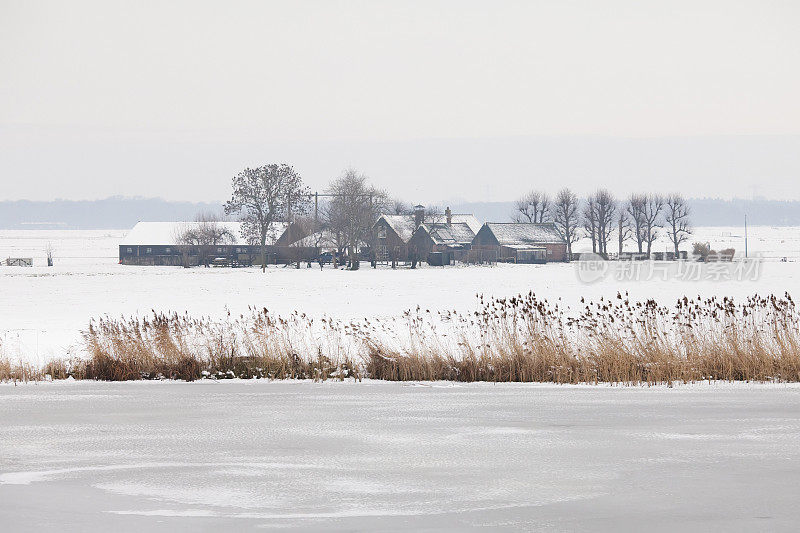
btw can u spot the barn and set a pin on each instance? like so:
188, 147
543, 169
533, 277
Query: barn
518, 242
159, 244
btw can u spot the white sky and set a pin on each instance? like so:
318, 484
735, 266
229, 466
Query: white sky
172, 98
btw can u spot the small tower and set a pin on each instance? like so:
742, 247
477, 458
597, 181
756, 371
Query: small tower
419, 215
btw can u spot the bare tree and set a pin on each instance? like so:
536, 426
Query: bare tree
606, 209
399, 207
636, 208
651, 215
261, 196
565, 216
533, 207
433, 214
624, 232
598, 219
676, 216
205, 233
589, 216
353, 210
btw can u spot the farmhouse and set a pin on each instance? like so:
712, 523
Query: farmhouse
396, 235
521, 242
450, 237
392, 233
161, 244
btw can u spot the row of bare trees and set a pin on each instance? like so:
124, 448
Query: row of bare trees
600, 216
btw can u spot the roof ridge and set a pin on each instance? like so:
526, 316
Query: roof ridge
532, 223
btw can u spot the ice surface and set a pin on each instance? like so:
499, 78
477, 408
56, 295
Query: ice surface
244, 455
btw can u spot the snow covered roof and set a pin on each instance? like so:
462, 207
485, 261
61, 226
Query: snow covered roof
162, 233
457, 218
403, 225
524, 247
524, 233
456, 233
321, 239
468, 219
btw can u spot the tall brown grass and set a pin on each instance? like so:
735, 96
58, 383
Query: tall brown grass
174, 346
522, 339
526, 339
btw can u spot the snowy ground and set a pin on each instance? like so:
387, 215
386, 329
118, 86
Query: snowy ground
43, 309
78, 456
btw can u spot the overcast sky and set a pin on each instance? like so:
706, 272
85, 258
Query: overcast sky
434, 100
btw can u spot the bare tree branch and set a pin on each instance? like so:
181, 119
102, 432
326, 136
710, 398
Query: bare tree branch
676, 216
565, 216
264, 195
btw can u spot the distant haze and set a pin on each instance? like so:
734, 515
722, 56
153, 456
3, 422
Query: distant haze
435, 100
124, 213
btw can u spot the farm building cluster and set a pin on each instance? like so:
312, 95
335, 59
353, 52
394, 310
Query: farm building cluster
393, 239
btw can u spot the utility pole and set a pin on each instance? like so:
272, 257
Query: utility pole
288, 219
745, 236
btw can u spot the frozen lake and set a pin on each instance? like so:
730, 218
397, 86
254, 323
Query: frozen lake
387, 456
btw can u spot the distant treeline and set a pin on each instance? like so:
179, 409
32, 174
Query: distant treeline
124, 213
704, 211
110, 213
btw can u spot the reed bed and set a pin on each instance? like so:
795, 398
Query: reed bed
174, 346
15, 371
519, 339
524, 339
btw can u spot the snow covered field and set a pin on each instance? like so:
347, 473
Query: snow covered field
245, 455
44, 309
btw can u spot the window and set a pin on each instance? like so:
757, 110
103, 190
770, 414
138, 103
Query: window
381, 232
130, 250
219, 250
149, 251
166, 251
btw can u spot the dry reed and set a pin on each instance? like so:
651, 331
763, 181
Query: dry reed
522, 339
528, 340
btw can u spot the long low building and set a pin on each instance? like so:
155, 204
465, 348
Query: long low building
521, 242
163, 244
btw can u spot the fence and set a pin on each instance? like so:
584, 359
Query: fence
480, 257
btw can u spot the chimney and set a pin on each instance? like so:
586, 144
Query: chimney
449, 215
419, 215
